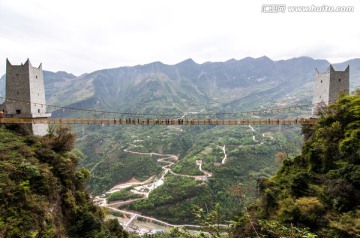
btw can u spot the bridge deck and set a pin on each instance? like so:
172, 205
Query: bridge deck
139, 121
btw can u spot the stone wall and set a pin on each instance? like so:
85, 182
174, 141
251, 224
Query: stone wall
25, 94
17, 89
339, 82
328, 86
321, 91
37, 92
39, 129
24, 84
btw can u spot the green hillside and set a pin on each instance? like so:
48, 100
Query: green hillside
42, 193
247, 160
319, 189
188, 89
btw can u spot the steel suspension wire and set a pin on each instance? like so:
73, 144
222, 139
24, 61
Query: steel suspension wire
197, 116
143, 121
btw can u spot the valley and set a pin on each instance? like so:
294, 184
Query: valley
173, 164
179, 119
148, 225
205, 172
163, 172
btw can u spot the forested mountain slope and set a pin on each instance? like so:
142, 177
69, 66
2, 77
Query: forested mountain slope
319, 189
42, 194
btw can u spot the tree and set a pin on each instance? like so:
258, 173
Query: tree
280, 157
61, 139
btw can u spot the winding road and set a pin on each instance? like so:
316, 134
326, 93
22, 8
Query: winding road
225, 155
170, 160
135, 215
150, 184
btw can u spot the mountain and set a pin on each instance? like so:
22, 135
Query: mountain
185, 89
161, 88
157, 87
354, 71
53, 82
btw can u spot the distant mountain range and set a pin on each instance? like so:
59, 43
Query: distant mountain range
211, 86
234, 85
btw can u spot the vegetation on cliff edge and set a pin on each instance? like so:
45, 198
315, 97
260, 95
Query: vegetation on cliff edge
319, 189
42, 193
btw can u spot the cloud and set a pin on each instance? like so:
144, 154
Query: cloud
83, 36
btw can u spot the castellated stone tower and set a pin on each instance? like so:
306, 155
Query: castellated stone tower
328, 86
25, 94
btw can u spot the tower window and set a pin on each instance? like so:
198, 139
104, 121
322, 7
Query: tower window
38, 110
36, 76
18, 111
321, 81
339, 80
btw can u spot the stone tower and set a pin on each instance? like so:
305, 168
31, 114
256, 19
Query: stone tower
25, 94
328, 86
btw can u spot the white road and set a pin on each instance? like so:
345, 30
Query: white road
150, 184
252, 128
136, 215
225, 155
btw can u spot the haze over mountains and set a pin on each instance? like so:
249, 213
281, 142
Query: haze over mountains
185, 88
211, 86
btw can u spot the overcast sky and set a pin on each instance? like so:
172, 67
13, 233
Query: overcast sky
81, 36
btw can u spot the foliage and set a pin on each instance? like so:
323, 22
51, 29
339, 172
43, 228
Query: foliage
42, 193
164, 91
211, 222
124, 194
280, 157
61, 139
173, 200
347, 224
318, 190
110, 163
210, 225
269, 229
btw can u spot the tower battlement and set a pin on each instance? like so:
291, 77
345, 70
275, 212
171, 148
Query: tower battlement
328, 86
25, 93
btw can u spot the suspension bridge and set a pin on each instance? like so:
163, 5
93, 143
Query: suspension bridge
128, 118
139, 121
19, 107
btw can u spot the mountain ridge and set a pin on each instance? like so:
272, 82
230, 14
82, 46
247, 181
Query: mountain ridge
200, 85
186, 84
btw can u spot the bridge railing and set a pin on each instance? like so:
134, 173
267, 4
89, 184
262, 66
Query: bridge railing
138, 121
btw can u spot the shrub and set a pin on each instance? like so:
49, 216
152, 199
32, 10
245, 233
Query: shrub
310, 209
300, 184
